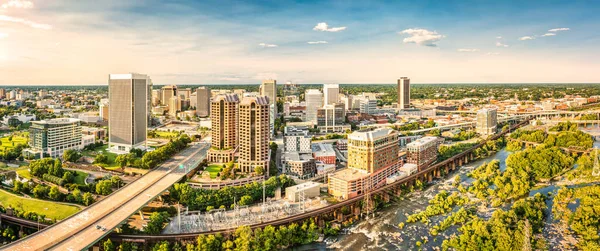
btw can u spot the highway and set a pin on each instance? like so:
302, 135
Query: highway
82, 230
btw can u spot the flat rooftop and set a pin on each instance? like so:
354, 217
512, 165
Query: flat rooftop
350, 174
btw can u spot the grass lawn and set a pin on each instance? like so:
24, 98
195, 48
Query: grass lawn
50, 209
102, 149
80, 178
6, 144
24, 172
214, 169
165, 134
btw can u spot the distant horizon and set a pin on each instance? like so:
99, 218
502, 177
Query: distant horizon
283, 83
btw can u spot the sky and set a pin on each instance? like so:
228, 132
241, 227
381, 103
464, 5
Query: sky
80, 42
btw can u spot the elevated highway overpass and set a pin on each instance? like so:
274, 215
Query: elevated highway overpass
84, 229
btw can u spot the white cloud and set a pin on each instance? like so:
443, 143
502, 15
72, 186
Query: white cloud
468, 50
558, 29
25, 22
325, 27
264, 45
422, 37
3, 35
549, 34
492, 53
317, 42
526, 38
498, 44
499, 37
19, 4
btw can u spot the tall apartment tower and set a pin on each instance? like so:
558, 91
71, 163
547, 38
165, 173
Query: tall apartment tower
224, 128
203, 101
168, 92
314, 100
269, 89
372, 157
129, 114
330, 93
254, 134
487, 121
403, 93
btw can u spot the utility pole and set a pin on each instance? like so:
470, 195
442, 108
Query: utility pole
179, 217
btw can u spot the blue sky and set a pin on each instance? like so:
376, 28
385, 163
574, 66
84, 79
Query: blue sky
214, 42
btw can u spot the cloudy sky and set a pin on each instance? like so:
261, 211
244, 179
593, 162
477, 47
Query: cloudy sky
44, 42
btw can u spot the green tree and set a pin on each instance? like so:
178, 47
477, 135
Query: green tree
108, 245
87, 199
104, 187
54, 193
71, 155
40, 191
156, 222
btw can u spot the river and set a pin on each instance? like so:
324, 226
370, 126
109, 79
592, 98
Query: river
382, 232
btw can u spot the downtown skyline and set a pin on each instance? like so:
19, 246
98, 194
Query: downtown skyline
186, 42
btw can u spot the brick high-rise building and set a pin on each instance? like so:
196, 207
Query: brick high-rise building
372, 157
403, 93
224, 128
254, 134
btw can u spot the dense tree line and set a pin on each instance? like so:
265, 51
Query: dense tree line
505, 230
201, 199
491, 146
584, 220
242, 239
568, 135
525, 168
442, 203
154, 158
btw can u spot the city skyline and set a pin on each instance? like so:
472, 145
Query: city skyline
66, 43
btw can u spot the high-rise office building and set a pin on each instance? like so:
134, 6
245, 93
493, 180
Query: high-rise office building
168, 92
203, 101
224, 128
269, 89
330, 93
372, 157
403, 93
332, 115
314, 100
129, 110
487, 121
2, 93
254, 134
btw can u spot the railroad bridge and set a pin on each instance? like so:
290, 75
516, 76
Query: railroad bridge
351, 209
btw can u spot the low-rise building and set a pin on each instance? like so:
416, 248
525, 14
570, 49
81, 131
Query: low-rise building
50, 138
304, 191
296, 139
300, 165
324, 153
423, 151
